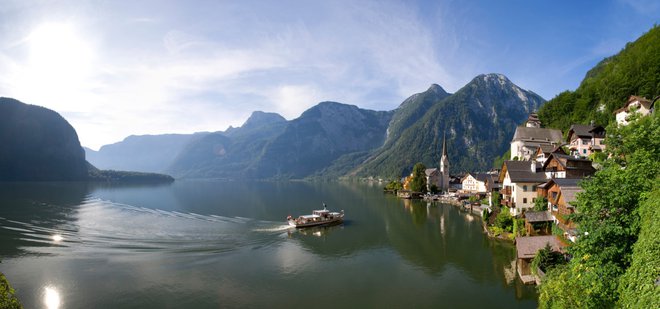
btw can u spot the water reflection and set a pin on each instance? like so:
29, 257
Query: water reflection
222, 243
52, 298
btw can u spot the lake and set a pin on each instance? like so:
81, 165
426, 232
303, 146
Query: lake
199, 244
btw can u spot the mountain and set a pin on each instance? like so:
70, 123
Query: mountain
144, 153
321, 135
38, 145
268, 146
229, 154
478, 120
413, 109
635, 70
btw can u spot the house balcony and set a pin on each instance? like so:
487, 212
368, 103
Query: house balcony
508, 203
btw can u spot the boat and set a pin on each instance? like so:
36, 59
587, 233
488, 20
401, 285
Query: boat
317, 218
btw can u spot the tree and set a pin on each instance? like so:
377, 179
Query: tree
541, 204
7, 298
638, 287
394, 186
547, 258
495, 197
608, 218
504, 220
418, 182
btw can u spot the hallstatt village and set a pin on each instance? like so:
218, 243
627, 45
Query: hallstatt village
535, 187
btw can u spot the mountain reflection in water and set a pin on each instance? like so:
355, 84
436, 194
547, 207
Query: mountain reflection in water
210, 244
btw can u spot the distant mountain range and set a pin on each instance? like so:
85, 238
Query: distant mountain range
332, 139
37, 144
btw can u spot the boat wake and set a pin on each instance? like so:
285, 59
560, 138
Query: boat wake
279, 228
104, 227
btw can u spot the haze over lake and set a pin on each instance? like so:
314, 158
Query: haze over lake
216, 244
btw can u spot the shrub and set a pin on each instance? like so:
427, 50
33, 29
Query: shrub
7, 298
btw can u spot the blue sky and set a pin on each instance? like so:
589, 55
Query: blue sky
115, 68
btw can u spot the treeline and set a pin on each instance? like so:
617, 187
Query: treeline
633, 71
128, 177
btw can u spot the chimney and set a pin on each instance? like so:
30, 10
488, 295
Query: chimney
533, 166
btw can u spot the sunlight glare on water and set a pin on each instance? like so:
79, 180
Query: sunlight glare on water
52, 298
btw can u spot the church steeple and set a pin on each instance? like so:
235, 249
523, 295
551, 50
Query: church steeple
444, 160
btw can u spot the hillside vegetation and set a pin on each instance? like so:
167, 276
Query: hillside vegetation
616, 260
633, 71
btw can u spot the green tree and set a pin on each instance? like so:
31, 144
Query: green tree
541, 204
394, 185
496, 198
546, 258
418, 182
608, 217
504, 220
638, 287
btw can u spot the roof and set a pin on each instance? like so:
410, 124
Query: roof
538, 216
570, 194
527, 247
597, 129
547, 148
580, 130
563, 160
430, 171
527, 176
537, 134
631, 99
521, 171
567, 182
518, 165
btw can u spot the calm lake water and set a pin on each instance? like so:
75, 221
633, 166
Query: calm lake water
197, 244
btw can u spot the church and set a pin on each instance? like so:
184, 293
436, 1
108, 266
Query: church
439, 177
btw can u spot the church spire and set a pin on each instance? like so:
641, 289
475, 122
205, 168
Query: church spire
444, 145
444, 160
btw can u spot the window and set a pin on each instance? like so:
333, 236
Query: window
554, 196
533, 200
534, 188
584, 151
525, 200
525, 188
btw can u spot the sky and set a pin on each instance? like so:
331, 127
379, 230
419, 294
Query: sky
120, 68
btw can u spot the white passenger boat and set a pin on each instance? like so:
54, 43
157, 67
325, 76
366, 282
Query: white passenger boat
318, 217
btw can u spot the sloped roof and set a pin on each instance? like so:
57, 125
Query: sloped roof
538, 216
527, 247
521, 171
567, 182
518, 165
563, 160
430, 171
580, 130
570, 194
527, 176
643, 101
537, 134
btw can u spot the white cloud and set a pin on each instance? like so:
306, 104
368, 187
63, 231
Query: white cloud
155, 74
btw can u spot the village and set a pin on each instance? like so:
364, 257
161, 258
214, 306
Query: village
530, 198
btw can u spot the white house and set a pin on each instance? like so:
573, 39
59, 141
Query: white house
635, 104
519, 180
530, 137
474, 183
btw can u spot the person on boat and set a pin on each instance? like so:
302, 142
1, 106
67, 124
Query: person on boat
324, 207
